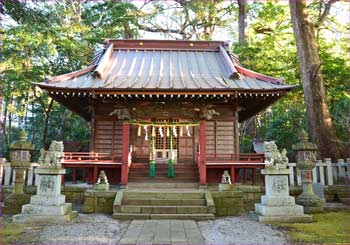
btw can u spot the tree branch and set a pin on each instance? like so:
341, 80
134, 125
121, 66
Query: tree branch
324, 14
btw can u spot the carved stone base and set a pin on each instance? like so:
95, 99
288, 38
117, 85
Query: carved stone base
48, 205
277, 205
311, 202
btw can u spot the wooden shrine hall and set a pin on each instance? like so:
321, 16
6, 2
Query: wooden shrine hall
164, 111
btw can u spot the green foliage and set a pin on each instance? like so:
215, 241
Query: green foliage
271, 50
46, 39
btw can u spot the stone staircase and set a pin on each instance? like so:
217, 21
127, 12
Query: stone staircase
164, 204
184, 173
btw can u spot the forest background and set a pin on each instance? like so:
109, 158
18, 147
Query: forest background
47, 38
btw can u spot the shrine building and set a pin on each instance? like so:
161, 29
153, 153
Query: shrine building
164, 111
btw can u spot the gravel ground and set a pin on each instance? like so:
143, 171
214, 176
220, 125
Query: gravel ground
85, 229
240, 230
102, 229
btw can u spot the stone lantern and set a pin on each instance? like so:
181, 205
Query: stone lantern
20, 160
306, 161
20, 153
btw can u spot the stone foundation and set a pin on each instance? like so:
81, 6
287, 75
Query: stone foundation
98, 201
228, 203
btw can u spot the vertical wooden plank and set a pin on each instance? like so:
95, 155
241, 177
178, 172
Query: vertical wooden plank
93, 134
233, 177
203, 157
215, 139
125, 154
328, 163
254, 175
113, 137
291, 175
94, 178
236, 133
74, 170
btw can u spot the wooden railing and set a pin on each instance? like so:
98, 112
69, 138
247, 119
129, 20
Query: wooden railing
87, 157
239, 158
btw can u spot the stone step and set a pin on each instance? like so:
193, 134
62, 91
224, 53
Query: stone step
164, 209
163, 195
164, 202
139, 216
162, 185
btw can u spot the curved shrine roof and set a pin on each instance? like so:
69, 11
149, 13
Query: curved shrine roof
159, 65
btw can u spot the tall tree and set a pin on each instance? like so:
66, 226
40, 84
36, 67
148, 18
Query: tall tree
242, 22
321, 126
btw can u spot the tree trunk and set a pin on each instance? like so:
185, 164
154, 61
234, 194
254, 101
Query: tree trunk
319, 120
46, 124
242, 22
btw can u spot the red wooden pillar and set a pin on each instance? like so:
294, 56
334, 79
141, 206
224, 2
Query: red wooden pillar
203, 155
125, 155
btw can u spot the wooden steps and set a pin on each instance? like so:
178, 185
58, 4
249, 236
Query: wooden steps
184, 173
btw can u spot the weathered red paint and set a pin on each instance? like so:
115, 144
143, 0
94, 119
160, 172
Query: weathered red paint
202, 153
125, 156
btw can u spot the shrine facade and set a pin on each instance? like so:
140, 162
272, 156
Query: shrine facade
164, 111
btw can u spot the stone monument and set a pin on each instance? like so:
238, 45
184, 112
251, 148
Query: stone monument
20, 153
306, 161
277, 205
102, 182
48, 205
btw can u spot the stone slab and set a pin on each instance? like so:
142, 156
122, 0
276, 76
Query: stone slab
49, 171
101, 187
162, 232
286, 219
62, 209
37, 218
295, 210
48, 200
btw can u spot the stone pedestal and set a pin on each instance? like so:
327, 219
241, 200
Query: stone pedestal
277, 205
48, 205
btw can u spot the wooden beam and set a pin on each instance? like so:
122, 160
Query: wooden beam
125, 155
203, 156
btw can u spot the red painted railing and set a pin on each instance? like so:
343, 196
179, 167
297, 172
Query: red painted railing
239, 158
86, 157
